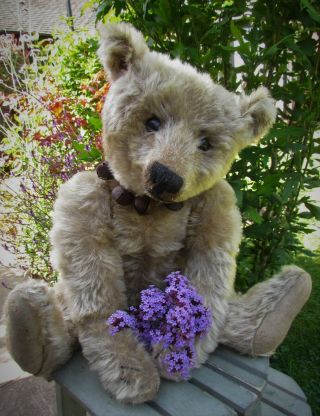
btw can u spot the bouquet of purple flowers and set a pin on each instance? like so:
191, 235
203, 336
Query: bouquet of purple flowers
172, 319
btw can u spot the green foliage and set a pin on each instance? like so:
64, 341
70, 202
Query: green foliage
276, 44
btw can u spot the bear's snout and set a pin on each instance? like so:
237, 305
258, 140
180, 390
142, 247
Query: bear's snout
163, 180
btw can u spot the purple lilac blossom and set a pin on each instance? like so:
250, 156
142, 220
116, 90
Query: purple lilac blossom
172, 318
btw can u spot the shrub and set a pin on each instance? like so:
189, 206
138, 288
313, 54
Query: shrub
247, 44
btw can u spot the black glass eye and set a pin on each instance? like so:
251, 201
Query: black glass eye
205, 144
153, 124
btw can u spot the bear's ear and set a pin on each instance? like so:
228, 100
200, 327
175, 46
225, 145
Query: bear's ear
120, 47
258, 113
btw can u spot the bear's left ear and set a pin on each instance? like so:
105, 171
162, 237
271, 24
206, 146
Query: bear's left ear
258, 113
121, 46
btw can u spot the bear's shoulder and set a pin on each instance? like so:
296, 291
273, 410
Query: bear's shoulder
84, 195
220, 195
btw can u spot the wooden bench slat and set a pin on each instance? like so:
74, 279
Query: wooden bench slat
83, 384
244, 376
185, 399
267, 410
286, 403
256, 365
286, 383
244, 401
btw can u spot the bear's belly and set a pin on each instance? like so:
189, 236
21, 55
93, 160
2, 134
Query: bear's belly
142, 271
150, 246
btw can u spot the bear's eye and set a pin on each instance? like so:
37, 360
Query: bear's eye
153, 124
205, 144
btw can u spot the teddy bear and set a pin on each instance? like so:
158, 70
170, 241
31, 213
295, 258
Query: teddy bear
159, 203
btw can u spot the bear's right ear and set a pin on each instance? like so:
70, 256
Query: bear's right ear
121, 46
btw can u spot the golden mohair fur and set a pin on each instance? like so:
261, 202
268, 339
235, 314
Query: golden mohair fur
107, 253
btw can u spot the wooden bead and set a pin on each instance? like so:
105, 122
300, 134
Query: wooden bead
141, 204
175, 206
122, 196
104, 172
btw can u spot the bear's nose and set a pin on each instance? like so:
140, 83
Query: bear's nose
164, 180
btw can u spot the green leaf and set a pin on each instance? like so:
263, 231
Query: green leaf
103, 8
290, 187
274, 48
259, 230
95, 153
311, 10
235, 31
271, 51
86, 155
227, 3
95, 122
283, 131
252, 214
87, 5
244, 46
282, 254
111, 17
314, 209
90, 156
164, 11
270, 184
305, 214
237, 186
312, 183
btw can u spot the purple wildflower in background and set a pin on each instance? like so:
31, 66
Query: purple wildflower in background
23, 187
45, 159
172, 318
69, 160
64, 176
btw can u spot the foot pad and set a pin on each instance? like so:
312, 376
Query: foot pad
276, 323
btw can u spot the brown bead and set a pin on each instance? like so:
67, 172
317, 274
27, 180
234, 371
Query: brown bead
104, 172
141, 204
122, 196
174, 206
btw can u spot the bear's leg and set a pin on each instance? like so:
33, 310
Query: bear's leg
36, 333
259, 320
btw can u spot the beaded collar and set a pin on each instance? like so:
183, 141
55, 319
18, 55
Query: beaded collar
124, 197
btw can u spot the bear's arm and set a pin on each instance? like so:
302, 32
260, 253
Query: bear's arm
92, 282
82, 249
212, 246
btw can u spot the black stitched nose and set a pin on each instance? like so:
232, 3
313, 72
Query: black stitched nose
164, 180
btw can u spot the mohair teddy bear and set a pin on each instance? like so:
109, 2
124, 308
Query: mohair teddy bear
160, 203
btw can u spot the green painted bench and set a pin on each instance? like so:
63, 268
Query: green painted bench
228, 384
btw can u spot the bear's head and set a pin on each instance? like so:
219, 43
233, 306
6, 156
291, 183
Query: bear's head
169, 131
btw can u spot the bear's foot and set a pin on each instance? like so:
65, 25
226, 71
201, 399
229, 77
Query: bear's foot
259, 320
125, 368
36, 335
135, 383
